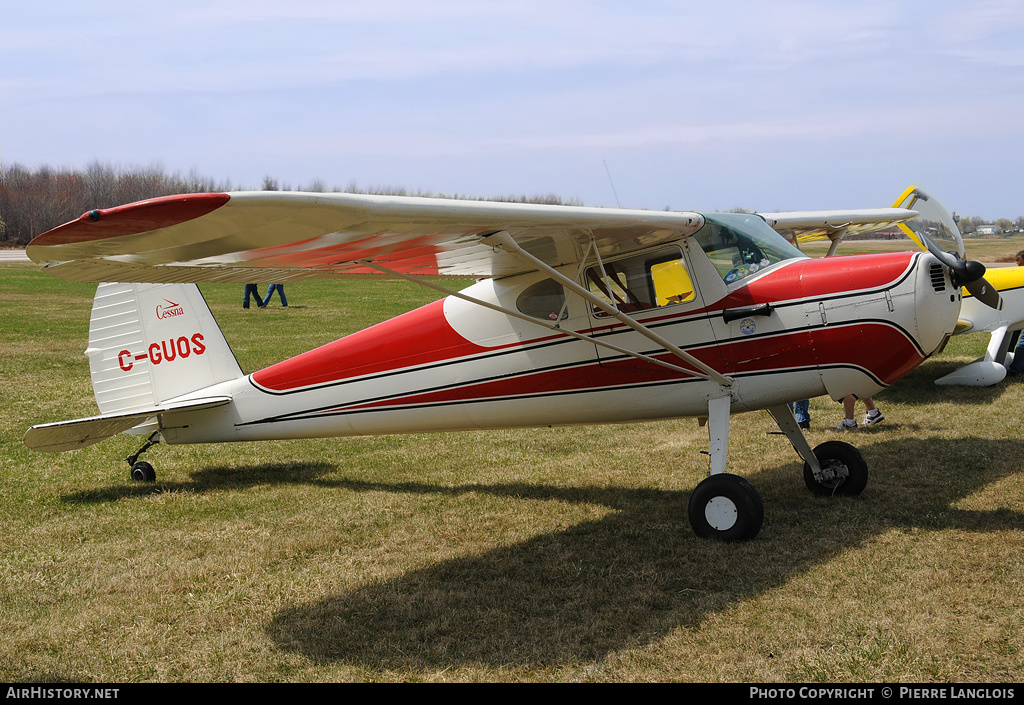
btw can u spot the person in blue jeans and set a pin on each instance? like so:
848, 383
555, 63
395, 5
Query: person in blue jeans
279, 288
253, 291
801, 409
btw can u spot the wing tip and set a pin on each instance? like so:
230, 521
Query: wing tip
131, 219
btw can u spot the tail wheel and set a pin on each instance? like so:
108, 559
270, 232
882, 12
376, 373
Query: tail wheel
143, 472
726, 507
843, 470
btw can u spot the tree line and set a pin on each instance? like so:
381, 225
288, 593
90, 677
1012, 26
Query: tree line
34, 201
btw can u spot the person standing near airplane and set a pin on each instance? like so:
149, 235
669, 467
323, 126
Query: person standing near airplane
253, 291
872, 417
279, 288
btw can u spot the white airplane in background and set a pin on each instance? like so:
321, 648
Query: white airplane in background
584, 316
981, 310
1003, 324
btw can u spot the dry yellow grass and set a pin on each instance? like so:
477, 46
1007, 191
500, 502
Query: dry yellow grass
989, 250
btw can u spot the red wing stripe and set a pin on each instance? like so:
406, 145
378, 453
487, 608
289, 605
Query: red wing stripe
133, 218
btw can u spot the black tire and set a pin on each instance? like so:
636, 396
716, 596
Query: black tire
845, 463
143, 472
726, 507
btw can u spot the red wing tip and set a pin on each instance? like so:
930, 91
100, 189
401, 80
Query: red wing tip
133, 218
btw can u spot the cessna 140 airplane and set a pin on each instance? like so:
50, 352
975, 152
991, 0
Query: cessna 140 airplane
583, 316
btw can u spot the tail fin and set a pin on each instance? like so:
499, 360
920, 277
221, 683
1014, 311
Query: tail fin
152, 342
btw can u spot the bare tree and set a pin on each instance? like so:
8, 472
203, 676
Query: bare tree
32, 202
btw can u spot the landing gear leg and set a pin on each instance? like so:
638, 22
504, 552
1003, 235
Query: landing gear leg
141, 470
723, 506
832, 468
783, 416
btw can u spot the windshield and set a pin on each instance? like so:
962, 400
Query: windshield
741, 244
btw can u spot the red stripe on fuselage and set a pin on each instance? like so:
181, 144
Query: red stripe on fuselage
880, 349
416, 338
885, 351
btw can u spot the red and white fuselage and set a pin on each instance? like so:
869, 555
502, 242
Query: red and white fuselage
834, 326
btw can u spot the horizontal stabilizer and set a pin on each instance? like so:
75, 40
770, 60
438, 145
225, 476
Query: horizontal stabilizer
79, 433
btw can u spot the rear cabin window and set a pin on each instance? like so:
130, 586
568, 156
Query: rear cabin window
642, 282
545, 299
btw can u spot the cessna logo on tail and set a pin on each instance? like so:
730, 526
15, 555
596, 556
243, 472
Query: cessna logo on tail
170, 310
164, 351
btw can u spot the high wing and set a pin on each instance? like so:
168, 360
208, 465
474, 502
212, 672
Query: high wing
283, 236
806, 226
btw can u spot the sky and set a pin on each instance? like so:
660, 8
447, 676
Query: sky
781, 105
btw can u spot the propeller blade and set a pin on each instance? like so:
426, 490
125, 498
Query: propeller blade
936, 222
966, 273
950, 260
985, 293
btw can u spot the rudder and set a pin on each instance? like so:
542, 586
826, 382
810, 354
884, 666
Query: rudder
152, 342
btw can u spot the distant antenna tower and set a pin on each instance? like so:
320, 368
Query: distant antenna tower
614, 192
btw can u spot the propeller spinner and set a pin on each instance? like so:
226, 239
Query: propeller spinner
935, 225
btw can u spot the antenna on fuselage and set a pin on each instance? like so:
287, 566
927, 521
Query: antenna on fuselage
614, 192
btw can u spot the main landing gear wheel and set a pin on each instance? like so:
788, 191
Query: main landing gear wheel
143, 472
843, 470
726, 507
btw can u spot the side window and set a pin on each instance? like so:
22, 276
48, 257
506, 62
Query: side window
643, 282
545, 299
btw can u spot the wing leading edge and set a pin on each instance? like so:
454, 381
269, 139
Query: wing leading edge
805, 226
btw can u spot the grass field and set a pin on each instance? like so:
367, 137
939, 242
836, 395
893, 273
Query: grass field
527, 555
990, 250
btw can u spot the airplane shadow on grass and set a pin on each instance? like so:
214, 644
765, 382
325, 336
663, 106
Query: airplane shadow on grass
212, 479
635, 575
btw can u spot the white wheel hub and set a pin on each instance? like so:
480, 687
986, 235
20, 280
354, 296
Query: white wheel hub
721, 513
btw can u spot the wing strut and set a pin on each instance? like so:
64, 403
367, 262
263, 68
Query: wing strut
837, 237
531, 319
508, 244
